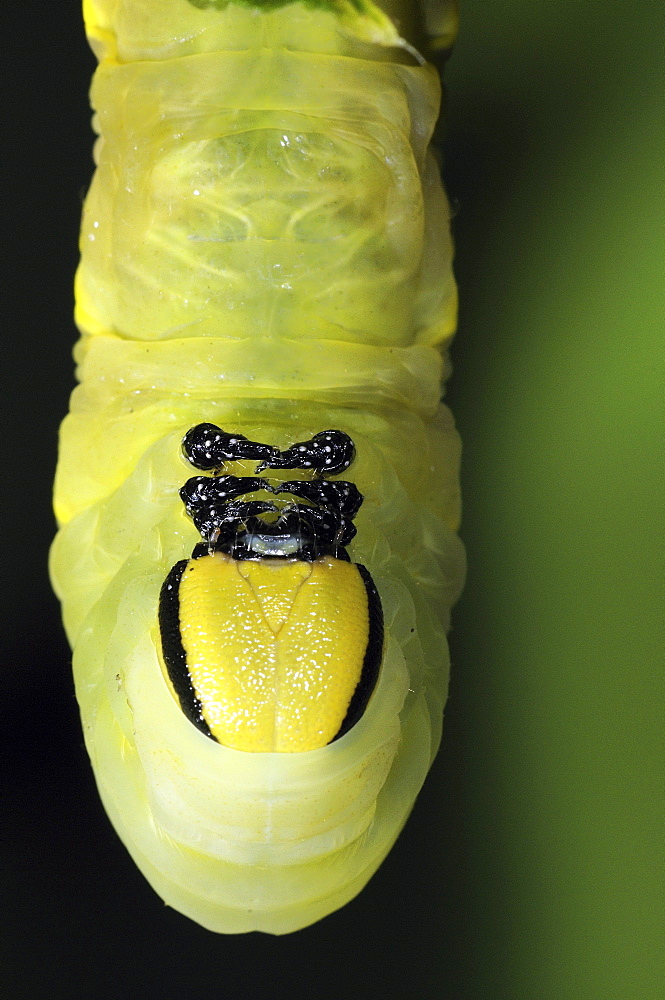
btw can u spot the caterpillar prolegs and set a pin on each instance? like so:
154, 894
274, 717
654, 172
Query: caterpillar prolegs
265, 274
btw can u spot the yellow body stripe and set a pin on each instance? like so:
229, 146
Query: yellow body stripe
274, 648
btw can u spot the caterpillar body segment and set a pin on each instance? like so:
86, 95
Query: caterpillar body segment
265, 251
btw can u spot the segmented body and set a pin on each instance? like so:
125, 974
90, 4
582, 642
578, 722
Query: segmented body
265, 245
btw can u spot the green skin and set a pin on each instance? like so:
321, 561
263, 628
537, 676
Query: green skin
265, 247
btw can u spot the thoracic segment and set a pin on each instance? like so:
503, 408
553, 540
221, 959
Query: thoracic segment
322, 525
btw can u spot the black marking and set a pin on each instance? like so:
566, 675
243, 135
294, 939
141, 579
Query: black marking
208, 447
323, 525
373, 656
173, 651
225, 523
328, 453
203, 491
344, 496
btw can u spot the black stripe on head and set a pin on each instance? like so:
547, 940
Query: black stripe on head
173, 651
373, 656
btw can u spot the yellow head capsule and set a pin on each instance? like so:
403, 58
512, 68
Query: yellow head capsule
271, 654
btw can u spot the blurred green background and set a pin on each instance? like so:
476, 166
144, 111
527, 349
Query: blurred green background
531, 868
556, 157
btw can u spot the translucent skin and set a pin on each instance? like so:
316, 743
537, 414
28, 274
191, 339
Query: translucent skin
265, 246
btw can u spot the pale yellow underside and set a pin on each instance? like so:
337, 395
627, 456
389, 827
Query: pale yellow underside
275, 649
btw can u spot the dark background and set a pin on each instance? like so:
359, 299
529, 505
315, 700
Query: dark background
529, 866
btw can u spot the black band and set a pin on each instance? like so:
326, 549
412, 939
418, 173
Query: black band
173, 651
373, 656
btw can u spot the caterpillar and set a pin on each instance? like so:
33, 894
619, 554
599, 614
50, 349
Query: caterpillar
265, 298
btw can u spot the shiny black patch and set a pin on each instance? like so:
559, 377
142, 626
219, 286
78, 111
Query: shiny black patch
323, 525
328, 453
173, 651
208, 447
